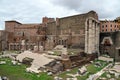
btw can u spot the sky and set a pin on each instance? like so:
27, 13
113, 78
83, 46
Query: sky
32, 11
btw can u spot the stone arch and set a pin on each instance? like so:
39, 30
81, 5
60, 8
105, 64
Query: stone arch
107, 41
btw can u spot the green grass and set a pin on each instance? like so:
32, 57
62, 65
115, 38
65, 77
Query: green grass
18, 72
13, 51
16, 52
84, 77
91, 69
74, 51
64, 74
105, 76
57, 53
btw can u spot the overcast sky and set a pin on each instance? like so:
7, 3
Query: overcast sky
32, 11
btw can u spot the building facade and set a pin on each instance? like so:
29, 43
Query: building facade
109, 38
77, 31
109, 44
17, 33
3, 41
109, 26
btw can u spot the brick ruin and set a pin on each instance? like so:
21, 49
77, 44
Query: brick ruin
3, 36
77, 31
72, 61
109, 44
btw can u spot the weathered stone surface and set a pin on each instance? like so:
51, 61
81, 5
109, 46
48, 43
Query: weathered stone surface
77, 31
111, 46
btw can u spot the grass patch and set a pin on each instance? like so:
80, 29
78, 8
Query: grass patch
64, 74
73, 51
11, 51
104, 75
18, 72
84, 77
91, 69
57, 53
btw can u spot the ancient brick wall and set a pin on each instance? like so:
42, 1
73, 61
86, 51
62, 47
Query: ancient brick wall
3, 40
47, 20
9, 25
74, 27
113, 49
51, 28
117, 46
18, 32
27, 33
68, 31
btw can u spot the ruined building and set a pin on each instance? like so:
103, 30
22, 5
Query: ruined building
77, 31
110, 38
3, 41
109, 44
18, 32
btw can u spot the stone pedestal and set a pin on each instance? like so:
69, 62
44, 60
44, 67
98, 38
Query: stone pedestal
66, 63
23, 45
40, 48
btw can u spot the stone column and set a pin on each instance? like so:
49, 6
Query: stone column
23, 45
93, 37
90, 36
86, 35
87, 25
97, 37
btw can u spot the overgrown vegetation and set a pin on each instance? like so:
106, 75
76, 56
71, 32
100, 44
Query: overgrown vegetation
17, 72
91, 69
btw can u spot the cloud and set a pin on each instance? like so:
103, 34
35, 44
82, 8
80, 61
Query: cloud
105, 8
25, 11
32, 11
70, 4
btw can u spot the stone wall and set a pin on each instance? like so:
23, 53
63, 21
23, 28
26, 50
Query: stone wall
3, 41
117, 46
18, 32
113, 48
71, 31
10, 25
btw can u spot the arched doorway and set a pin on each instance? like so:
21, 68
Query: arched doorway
106, 45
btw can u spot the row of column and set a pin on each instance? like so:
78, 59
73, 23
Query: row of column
91, 36
14, 46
